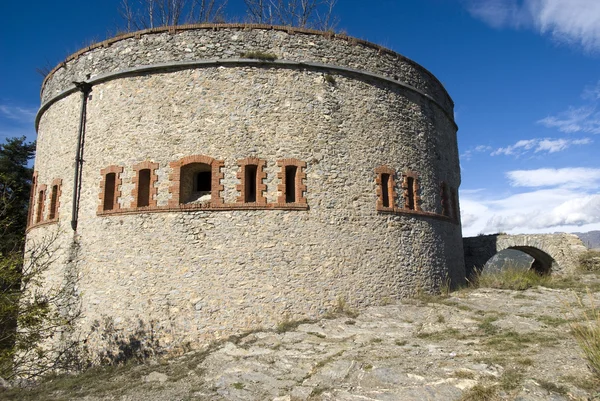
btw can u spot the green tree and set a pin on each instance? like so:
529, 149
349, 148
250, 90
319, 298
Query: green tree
15, 187
31, 315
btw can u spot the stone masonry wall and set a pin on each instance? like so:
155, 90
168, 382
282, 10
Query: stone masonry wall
190, 276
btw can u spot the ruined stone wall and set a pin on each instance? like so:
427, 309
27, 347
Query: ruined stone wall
554, 253
192, 273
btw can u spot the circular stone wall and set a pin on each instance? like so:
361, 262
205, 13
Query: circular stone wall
232, 177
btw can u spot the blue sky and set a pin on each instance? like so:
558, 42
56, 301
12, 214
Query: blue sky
524, 76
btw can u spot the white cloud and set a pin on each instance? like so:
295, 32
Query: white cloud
552, 200
567, 21
499, 13
538, 145
518, 148
592, 92
19, 114
538, 211
575, 119
577, 211
468, 154
576, 177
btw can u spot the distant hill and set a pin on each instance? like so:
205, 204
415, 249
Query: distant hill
591, 239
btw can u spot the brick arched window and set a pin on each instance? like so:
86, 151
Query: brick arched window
41, 201
55, 193
110, 188
144, 189
292, 176
196, 180
410, 187
386, 188
251, 176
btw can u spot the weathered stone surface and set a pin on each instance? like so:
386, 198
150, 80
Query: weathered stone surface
171, 279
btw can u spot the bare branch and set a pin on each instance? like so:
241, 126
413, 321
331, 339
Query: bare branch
146, 14
301, 13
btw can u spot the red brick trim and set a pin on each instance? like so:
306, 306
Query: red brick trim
216, 177
58, 183
32, 194
194, 207
260, 176
404, 210
153, 179
41, 203
299, 184
391, 188
110, 169
416, 199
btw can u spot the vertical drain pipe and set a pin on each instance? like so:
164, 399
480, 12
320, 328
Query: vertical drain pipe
85, 89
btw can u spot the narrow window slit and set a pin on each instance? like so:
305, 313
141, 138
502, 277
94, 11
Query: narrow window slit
109, 191
53, 202
40, 206
385, 193
250, 182
143, 198
410, 193
290, 184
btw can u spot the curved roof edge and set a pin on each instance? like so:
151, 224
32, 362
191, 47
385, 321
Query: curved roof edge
179, 28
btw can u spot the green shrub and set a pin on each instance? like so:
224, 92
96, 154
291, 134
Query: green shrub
329, 79
259, 56
590, 261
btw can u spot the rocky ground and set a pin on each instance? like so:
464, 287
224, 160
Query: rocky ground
482, 344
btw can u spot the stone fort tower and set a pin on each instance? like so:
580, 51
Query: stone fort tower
208, 179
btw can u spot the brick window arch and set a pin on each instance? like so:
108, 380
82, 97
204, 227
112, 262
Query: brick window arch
55, 193
144, 190
292, 177
41, 201
195, 177
110, 190
386, 188
251, 175
410, 187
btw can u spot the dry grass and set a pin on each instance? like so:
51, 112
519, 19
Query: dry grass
480, 393
587, 333
511, 278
